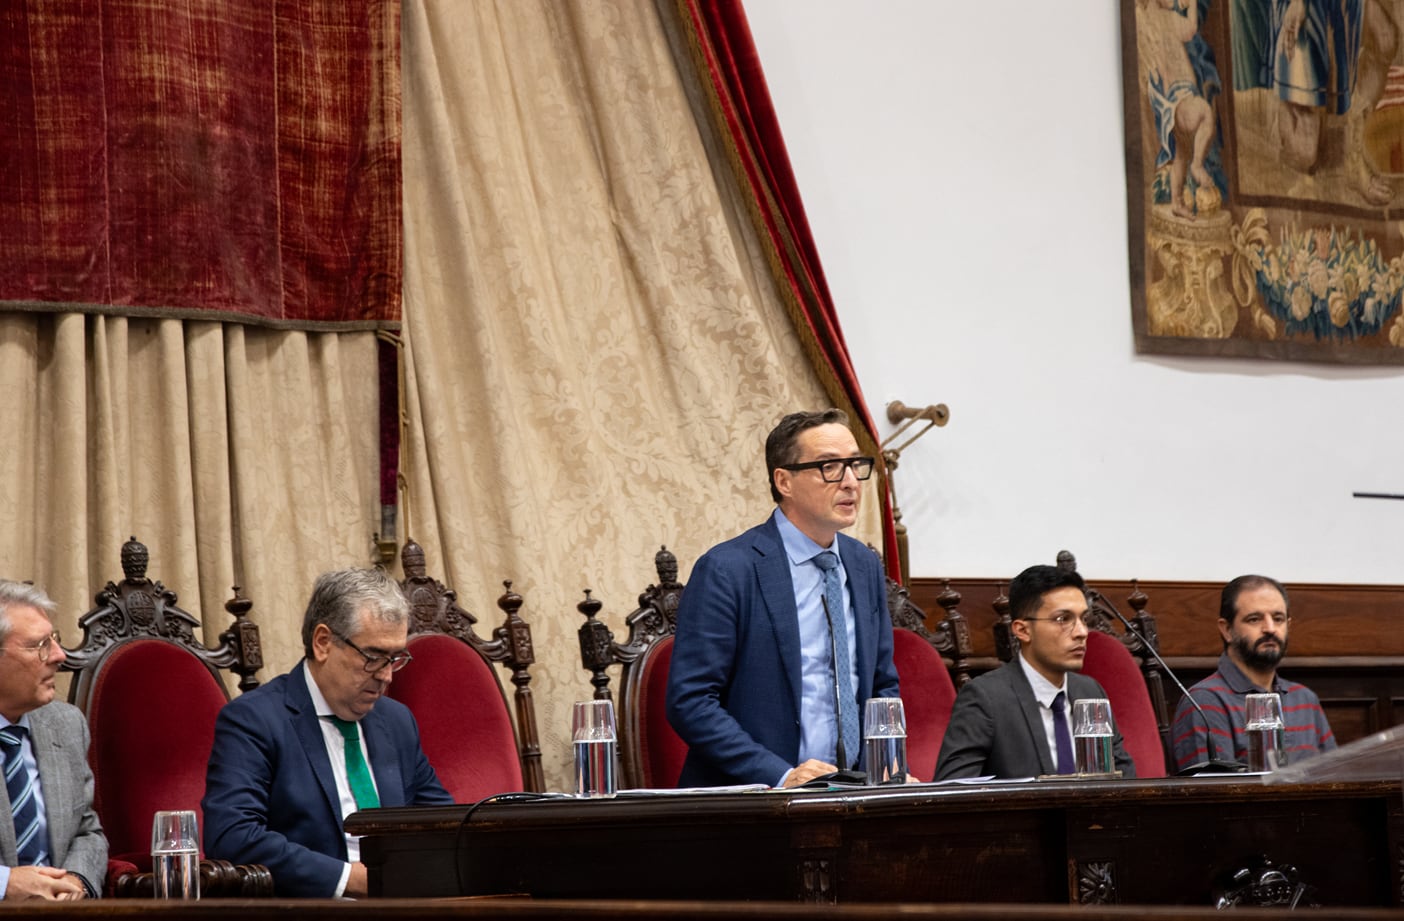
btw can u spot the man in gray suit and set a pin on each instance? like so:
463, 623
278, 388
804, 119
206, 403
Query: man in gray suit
1014, 721
51, 843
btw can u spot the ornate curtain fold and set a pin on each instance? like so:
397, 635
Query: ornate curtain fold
235, 453
594, 351
725, 53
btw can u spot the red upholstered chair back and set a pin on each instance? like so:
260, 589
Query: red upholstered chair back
1109, 662
650, 752
659, 752
454, 691
151, 689
151, 714
928, 694
463, 719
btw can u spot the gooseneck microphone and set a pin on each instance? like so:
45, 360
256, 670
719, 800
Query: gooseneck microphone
1215, 765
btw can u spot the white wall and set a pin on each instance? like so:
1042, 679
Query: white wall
962, 167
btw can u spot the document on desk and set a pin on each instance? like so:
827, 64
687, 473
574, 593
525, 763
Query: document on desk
683, 791
987, 779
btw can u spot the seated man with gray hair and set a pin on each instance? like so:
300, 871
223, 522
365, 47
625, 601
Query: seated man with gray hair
51, 842
293, 758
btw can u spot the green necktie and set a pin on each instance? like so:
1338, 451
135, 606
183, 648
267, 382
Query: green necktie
357, 773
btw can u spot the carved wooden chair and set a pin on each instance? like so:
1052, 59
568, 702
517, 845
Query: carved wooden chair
1118, 659
453, 689
151, 692
928, 679
651, 752
950, 637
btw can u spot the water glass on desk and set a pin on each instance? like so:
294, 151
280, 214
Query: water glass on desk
1264, 727
1092, 736
594, 737
885, 740
175, 855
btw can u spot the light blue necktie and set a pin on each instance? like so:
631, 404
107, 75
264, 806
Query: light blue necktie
843, 672
29, 840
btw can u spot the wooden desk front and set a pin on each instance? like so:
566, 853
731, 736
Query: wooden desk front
1129, 842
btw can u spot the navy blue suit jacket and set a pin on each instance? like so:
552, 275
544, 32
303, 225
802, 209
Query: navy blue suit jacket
270, 797
734, 682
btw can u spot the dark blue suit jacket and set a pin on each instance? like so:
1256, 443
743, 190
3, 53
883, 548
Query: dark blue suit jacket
270, 797
734, 683
997, 728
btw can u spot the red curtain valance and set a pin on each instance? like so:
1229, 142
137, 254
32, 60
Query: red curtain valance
731, 72
237, 160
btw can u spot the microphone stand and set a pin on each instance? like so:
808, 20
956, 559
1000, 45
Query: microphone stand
1214, 765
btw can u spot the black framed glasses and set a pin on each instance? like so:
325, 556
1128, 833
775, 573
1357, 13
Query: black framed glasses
375, 661
833, 470
1063, 621
45, 647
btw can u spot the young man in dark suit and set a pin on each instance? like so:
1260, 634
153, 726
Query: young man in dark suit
1006, 722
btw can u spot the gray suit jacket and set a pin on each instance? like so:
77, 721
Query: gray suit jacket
59, 734
997, 728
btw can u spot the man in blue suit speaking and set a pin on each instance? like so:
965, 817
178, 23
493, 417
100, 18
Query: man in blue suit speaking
293, 758
783, 632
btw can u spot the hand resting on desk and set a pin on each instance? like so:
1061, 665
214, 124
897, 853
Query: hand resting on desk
807, 771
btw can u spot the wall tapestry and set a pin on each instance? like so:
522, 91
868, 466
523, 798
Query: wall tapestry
1265, 177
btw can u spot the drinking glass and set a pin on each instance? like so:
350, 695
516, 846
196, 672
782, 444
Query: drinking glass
1092, 735
885, 740
593, 732
175, 854
1264, 727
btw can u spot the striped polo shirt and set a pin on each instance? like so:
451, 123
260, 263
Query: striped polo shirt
1306, 731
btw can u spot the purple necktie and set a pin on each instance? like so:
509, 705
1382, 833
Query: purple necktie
1067, 764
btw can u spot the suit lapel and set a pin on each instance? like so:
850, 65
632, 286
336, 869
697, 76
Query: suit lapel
57, 782
1033, 717
308, 727
1078, 688
8, 855
384, 764
860, 590
777, 592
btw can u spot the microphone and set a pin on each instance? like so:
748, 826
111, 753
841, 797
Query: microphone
1214, 765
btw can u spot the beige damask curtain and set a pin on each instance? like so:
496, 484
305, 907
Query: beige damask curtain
234, 453
594, 351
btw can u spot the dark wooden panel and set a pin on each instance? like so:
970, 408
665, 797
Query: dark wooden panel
1327, 620
615, 910
1352, 719
1165, 841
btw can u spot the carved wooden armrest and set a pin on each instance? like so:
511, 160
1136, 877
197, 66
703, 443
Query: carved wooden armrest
218, 879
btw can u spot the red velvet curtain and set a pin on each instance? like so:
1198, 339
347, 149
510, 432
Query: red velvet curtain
239, 158
731, 70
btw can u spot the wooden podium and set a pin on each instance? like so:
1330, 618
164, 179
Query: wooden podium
1174, 841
